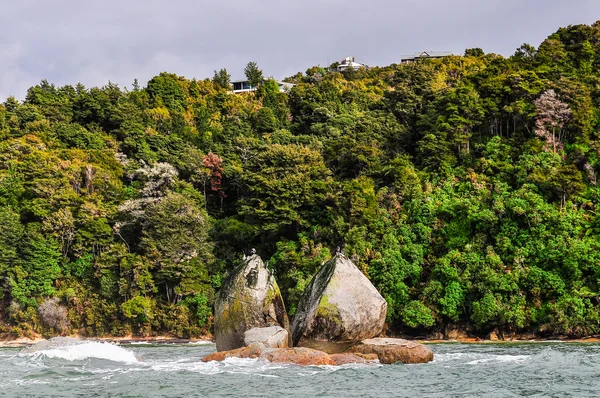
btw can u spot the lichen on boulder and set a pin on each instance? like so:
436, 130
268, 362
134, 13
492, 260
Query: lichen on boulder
339, 308
249, 298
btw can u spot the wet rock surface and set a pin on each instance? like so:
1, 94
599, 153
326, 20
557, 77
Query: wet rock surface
252, 351
298, 356
390, 350
301, 356
349, 358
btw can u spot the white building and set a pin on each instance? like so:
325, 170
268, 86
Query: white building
349, 63
242, 86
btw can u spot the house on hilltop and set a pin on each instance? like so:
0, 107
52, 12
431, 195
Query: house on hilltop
349, 63
243, 86
424, 55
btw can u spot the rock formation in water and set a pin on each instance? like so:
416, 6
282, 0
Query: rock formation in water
302, 356
339, 308
249, 298
394, 350
271, 337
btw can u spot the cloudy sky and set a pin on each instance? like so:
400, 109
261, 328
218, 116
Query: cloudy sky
94, 41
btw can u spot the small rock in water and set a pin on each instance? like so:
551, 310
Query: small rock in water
252, 351
395, 350
271, 337
348, 358
298, 356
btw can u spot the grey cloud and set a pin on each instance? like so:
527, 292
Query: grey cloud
92, 42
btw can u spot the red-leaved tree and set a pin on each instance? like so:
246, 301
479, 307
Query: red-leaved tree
212, 163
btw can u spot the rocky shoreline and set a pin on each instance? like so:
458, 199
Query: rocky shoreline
340, 319
19, 342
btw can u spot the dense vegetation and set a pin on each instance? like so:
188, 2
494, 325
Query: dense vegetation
464, 187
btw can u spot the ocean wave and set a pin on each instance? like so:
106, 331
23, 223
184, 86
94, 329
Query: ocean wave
87, 350
472, 358
500, 358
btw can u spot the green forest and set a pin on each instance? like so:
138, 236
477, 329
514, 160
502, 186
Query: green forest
465, 188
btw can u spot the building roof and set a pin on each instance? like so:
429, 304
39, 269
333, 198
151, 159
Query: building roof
349, 62
427, 54
282, 86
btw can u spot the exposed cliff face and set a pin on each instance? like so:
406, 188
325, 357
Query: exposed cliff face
339, 308
249, 298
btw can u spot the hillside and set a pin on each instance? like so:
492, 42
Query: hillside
464, 187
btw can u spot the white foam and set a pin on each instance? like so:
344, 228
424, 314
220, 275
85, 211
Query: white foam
473, 358
201, 342
87, 350
501, 358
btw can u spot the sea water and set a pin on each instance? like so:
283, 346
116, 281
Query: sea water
94, 369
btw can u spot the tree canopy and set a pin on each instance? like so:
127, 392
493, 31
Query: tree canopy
464, 187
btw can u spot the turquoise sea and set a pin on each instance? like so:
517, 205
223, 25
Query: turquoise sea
95, 369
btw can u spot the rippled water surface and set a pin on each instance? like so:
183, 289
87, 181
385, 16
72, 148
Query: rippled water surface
459, 370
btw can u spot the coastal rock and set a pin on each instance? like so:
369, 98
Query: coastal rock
526, 336
494, 335
453, 332
249, 298
339, 307
435, 336
301, 356
347, 358
298, 356
271, 337
390, 350
252, 351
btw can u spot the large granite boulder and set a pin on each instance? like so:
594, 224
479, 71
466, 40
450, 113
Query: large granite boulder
339, 308
271, 337
390, 350
249, 298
